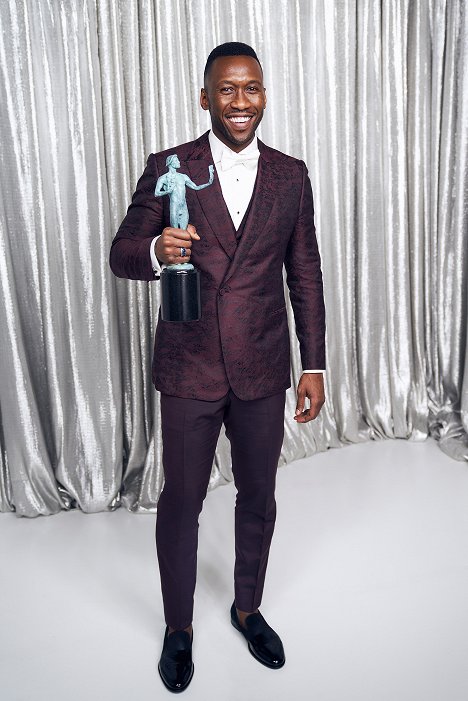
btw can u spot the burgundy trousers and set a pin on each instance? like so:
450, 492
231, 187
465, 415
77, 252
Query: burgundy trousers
190, 431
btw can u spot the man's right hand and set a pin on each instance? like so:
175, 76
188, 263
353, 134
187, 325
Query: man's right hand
172, 240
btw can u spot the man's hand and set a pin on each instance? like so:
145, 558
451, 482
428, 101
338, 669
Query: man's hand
311, 386
172, 240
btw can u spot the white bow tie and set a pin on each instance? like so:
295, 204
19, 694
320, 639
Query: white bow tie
231, 158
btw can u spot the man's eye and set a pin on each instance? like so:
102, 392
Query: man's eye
226, 89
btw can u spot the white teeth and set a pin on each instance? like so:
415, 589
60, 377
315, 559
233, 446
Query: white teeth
239, 120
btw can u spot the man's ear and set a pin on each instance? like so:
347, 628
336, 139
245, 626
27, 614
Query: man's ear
265, 97
204, 102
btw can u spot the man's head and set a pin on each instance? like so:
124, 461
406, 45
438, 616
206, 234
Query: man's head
233, 93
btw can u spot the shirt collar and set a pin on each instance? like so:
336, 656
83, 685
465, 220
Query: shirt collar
217, 146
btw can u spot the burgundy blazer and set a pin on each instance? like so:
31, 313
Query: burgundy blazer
242, 340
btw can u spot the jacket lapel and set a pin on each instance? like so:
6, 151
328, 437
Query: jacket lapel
211, 198
263, 198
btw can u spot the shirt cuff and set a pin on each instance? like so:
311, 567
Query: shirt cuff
314, 371
157, 266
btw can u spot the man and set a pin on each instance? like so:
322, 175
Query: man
233, 365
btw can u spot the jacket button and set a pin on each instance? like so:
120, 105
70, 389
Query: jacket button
221, 291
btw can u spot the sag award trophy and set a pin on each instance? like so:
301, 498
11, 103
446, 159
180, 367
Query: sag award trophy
180, 282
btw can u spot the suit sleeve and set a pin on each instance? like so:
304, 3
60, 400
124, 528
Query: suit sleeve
304, 279
130, 255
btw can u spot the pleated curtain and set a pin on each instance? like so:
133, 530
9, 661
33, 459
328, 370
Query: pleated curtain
372, 94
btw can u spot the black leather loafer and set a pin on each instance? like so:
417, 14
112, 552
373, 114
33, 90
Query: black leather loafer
175, 666
263, 642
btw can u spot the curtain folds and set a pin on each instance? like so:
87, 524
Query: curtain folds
372, 94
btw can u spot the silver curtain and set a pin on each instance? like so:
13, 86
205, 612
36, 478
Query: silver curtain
373, 94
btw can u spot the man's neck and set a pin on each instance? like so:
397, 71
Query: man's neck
241, 148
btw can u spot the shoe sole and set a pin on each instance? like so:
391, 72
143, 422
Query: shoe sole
170, 688
249, 645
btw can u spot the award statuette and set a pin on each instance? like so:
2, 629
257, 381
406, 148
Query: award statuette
180, 282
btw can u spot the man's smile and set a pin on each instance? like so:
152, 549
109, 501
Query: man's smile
239, 121
238, 118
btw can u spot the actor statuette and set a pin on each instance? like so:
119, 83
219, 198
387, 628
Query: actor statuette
180, 282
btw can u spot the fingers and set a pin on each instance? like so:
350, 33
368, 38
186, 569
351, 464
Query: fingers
175, 235
193, 232
308, 414
169, 246
301, 395
310, 387
302, 415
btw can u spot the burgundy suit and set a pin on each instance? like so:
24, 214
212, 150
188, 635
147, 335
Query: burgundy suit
233, 365
242, 339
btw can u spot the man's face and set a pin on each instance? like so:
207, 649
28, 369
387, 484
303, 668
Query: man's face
235, 97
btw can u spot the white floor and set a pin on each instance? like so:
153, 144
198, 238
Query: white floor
367, 585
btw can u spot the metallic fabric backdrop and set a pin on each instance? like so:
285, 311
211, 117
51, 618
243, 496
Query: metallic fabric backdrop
372, 94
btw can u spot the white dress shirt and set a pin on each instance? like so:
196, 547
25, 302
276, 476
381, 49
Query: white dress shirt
237, 180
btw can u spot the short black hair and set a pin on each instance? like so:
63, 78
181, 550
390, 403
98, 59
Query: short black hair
230, 48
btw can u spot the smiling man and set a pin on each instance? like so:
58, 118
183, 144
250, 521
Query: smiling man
231, 367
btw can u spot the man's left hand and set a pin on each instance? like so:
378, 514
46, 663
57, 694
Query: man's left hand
311, 386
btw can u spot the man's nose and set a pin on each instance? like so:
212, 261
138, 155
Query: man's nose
240, 100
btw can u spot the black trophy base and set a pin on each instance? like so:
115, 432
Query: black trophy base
180, 295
